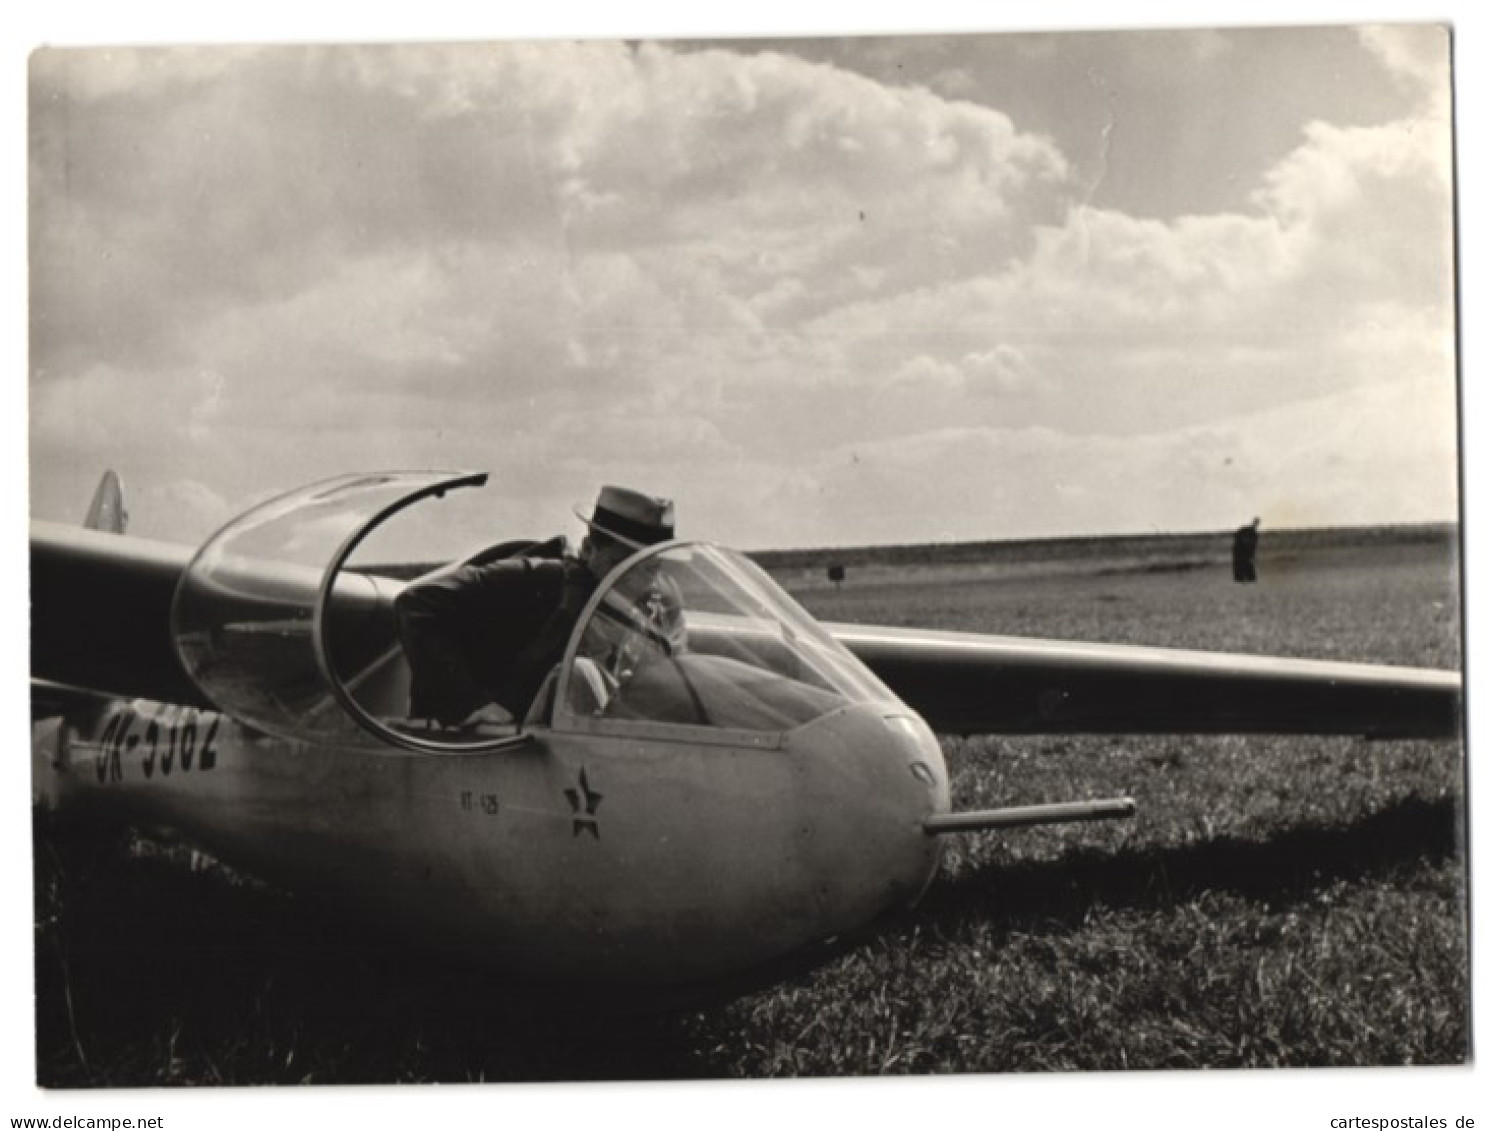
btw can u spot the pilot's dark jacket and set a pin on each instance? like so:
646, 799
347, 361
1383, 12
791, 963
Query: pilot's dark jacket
489, 633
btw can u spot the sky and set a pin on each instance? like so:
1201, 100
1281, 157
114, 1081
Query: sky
834, 291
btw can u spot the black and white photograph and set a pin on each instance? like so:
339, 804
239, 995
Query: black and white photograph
589, 559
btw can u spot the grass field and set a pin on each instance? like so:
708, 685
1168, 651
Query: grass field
1278, 901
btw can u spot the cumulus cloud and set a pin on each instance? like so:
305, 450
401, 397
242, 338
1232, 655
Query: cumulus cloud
1362, 456
1415, 55
578, 262
432, 214
986, 386
1340, 277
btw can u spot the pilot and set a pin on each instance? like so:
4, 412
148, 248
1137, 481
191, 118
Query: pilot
481, 640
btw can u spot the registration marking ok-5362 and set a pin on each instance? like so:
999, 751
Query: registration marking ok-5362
169, 739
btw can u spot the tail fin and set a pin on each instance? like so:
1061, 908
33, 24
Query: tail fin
106, 512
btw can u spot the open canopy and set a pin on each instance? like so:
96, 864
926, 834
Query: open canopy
273, 628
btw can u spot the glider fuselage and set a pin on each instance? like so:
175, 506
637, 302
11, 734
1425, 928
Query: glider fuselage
573, 857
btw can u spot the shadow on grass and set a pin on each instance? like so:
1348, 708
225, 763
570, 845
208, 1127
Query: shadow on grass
149, 973
1280, 870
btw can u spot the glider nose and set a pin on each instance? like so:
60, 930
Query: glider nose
916, 748
919, 750
871, 778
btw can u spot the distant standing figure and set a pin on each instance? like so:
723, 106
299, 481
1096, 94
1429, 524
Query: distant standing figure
1245, 553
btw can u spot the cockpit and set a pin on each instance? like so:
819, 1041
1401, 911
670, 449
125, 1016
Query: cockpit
285, 620
690, 634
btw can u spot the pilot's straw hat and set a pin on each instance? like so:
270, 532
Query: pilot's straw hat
633, 518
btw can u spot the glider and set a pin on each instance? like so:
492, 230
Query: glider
751, 785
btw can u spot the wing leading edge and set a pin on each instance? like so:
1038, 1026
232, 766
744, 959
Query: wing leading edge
972, 684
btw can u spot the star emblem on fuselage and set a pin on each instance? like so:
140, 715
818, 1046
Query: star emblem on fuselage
584, 802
